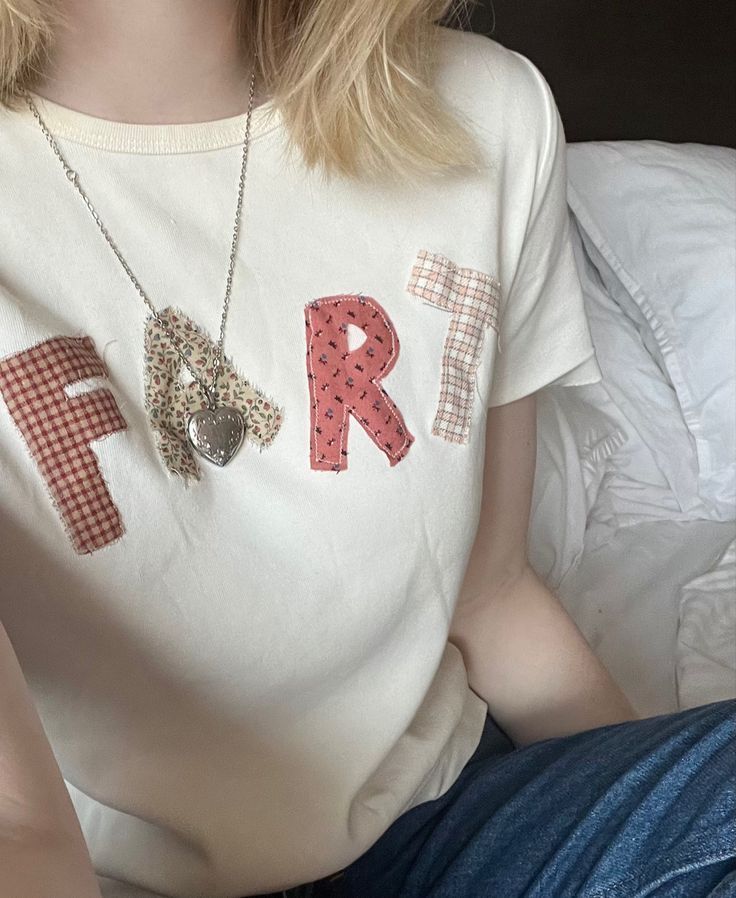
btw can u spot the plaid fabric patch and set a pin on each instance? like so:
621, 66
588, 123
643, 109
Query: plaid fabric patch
472, 299
58, 430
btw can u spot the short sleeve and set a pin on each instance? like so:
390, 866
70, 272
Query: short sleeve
543, 332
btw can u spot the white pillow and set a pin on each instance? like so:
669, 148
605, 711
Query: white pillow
610, 454
654, 472
659, 222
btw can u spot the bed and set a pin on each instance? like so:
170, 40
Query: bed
634, 506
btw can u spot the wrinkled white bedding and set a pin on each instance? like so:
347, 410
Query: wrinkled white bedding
706, 638
633, 508
642, 602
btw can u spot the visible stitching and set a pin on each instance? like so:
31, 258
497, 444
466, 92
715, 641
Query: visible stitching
168, 402
472, 298
394, 346
58, 430
368, 349
366, 424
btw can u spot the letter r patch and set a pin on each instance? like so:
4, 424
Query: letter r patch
344, 382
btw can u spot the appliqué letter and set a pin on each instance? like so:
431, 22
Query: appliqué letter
58, 430
169, 401
471, 297
344, 381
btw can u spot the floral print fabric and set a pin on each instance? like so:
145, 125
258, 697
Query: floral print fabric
169, 400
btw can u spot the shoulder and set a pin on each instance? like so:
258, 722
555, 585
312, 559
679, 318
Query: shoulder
498, 92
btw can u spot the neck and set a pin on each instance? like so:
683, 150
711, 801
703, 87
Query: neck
149, 61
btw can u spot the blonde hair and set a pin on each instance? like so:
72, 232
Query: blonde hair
352, 79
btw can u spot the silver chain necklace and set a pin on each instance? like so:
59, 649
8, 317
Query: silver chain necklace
217, 432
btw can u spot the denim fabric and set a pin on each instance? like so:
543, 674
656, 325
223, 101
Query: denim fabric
642, 809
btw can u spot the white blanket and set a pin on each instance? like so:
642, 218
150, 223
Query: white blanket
633, 511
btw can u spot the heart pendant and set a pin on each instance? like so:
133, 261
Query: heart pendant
216, 435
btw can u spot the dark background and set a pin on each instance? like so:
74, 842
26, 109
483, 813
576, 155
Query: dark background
627, 69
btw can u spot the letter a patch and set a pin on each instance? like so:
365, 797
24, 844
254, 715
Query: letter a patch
344, 382
169, 400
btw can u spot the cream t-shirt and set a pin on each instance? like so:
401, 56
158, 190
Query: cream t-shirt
245, 671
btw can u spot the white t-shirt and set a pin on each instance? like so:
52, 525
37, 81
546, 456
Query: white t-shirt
245, 671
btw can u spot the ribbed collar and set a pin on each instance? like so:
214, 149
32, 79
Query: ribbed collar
124, 137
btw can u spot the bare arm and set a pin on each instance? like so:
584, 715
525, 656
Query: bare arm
42, 850
525, 655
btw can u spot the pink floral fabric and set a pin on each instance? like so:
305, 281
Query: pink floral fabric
345, 382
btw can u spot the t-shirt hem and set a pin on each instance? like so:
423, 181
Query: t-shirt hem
463, 743
579, 373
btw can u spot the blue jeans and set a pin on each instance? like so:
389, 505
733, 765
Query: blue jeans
628, 810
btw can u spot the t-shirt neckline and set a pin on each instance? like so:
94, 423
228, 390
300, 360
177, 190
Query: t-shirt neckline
124, 137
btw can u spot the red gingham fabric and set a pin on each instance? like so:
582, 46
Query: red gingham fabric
58, 430
344, 382
472, 299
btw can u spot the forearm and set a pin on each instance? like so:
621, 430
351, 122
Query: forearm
42, 850
529, 661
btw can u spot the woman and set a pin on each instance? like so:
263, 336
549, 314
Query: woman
326, 668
